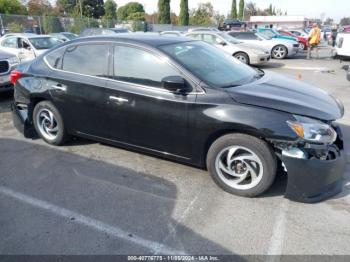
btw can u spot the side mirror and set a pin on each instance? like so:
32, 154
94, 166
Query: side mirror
175, 84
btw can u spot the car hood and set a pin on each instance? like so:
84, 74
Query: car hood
285, 38
285, 94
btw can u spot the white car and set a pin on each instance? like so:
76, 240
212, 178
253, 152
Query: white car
342, 46
172, 33
27, 46
278, 48
246, 53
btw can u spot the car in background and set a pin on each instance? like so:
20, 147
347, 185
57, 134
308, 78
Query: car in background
246, 53
102, 31
299, 32
202, 29
279, 48
172, 33
303, 42
64, 36
232, 25
342, 46
270, 32
28, 46
187, 101
8, 62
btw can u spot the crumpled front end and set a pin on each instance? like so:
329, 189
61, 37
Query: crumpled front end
315, 172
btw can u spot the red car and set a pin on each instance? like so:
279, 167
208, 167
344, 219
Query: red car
303, 42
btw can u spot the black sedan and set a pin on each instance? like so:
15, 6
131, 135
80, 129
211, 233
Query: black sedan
187, 101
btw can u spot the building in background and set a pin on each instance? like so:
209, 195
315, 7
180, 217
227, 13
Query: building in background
286, 21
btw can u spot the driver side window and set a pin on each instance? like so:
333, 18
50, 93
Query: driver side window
138, 66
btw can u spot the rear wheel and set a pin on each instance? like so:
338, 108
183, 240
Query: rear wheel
279, 52
49, 124
243, 57
241, 164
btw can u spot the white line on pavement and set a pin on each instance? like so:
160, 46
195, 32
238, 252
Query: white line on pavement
88, 221
276, 242
319, 69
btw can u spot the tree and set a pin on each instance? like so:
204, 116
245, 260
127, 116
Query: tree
184, 17
11, 7
93, 8
234, 9
345, 21
39, 7
124, 12
203, 15
110, 9
241, 10
164, 12
66, 6
270, 10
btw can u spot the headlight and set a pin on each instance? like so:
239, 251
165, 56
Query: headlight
312, 130
13, 61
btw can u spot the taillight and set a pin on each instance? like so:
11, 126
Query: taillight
15, 75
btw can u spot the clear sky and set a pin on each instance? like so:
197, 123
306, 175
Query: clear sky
336, 9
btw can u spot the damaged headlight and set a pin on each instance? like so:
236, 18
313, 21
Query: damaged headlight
312, 130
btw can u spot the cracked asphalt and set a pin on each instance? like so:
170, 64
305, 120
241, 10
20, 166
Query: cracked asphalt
90, 198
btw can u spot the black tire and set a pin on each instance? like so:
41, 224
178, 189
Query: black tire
259, 147
62, 136
243, 57
276, 49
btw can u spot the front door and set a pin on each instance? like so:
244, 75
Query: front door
155, 118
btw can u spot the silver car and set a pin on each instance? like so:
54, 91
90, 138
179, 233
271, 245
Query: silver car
8, 62
247, 53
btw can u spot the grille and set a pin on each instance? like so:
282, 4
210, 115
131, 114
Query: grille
4, 67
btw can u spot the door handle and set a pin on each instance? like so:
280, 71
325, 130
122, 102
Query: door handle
118, 99
60, 87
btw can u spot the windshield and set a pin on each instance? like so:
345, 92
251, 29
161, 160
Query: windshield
268, 33
41, 43
229, 38
210, 64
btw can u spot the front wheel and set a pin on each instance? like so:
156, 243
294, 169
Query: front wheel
279, 52
243, 57
301, 46
242, 165
49, 124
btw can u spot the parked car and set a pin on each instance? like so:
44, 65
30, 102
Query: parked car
64, 36
279, 48
8, 62
303, 42
342, 46
247, 53
231, 25
172, 33
188, 101
299, 32
202, 29
269, 32
27, 46
102, 31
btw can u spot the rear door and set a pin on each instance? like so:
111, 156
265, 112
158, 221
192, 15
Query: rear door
156, 119
78, 86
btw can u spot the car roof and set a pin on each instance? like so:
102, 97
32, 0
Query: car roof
146, 39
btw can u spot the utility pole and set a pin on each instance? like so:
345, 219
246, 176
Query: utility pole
80, 7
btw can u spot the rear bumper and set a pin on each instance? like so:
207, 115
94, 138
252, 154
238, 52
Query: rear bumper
21, 121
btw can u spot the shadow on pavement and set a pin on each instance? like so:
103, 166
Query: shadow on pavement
137, 203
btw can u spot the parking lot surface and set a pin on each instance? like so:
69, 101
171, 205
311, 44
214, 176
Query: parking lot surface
90, 198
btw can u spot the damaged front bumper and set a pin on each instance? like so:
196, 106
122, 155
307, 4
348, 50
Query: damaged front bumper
313, 179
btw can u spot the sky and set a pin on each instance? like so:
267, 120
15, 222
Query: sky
335, 9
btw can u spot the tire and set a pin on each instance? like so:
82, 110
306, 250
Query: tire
243, 57
301, 46
49, 124
252, 156
279, 52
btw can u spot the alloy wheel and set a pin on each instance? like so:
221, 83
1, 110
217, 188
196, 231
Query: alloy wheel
242, 58
239, 167
47, 124
279, 52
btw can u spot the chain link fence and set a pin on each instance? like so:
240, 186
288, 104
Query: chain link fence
51, 24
